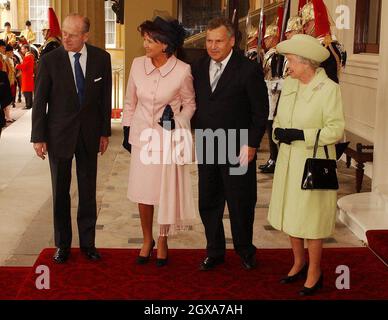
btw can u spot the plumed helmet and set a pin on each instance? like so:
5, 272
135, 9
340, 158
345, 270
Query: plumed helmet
307, 13
271, 31
45, 26
316, 10
294, 24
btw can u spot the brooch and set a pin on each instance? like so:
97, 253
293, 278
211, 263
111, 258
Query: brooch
319, 86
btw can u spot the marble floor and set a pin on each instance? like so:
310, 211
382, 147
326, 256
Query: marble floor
26, 207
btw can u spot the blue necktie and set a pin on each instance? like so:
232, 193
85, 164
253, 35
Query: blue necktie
79, 78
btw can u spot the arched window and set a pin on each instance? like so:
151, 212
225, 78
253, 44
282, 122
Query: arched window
110, 26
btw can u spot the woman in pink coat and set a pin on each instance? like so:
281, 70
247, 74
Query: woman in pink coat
157, 81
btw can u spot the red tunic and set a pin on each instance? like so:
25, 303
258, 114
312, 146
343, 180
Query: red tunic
27, 68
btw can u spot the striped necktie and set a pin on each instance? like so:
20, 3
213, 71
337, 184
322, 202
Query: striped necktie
217, 75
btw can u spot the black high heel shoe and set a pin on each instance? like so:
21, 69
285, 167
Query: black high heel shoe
299, 275
310, 291
162, 262
143, 260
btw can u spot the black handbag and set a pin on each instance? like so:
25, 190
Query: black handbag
320, 174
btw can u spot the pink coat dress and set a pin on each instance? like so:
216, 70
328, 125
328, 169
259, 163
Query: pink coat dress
149, 90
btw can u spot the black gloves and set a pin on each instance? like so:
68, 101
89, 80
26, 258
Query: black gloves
167, 121
127, 146
288, 135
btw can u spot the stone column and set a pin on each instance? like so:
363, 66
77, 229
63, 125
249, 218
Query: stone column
23, 13
380, 160
94, 10
369, 211
14, 15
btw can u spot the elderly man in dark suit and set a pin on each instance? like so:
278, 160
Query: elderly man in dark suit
71, 116
231, 96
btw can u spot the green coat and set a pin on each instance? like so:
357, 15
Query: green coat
308, 214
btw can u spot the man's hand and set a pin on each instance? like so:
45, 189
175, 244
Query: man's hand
247, 154
104, 141
41, 149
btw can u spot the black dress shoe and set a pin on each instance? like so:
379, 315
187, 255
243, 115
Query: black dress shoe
270, 167
249, 262
61, 255
143, 260
301, 274
310, 291
91, 253
269, 162
210, 263
262, 166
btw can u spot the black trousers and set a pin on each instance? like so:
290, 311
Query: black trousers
28, 98
217, 186
273, 148
87, 207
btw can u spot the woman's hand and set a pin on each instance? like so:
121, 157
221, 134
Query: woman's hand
167, 120
288, 135
127, 146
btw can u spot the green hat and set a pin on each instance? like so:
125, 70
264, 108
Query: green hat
305, 46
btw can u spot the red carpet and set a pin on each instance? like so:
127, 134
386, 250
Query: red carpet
11, 279
378, 242
118, 277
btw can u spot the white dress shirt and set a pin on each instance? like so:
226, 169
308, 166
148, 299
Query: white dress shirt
82, 61
213, 66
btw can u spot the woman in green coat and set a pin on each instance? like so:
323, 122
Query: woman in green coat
309, 101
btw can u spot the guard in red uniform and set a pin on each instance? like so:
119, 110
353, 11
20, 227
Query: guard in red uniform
27, 68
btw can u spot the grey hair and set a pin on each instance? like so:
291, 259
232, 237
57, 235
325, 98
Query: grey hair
312, 63
85, 20
219, 22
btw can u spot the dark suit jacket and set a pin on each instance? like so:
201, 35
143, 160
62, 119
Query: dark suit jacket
57, 116
5, 96
240, 100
